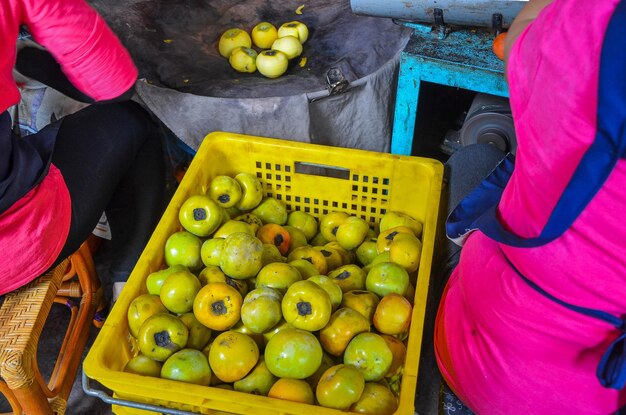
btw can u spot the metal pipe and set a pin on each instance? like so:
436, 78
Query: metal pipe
457, 12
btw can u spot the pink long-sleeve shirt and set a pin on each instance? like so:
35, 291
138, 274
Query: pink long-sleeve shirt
501, 346
34, 229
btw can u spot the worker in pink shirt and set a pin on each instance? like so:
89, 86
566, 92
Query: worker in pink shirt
532, 319
55, 184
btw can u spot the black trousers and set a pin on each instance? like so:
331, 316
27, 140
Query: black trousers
111, 159
110, 156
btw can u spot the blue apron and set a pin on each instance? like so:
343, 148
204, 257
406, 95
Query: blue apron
478, 209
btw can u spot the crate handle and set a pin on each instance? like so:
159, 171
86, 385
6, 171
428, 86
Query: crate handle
130, 404
323, 170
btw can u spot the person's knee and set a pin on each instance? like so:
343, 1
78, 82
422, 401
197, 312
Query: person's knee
129, 127
132, 116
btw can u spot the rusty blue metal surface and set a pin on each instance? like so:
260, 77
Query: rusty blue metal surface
457, 12
460, 58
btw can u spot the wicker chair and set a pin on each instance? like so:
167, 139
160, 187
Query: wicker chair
22, 317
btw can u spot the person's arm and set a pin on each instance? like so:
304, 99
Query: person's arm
528, 13
88, 52
40, 65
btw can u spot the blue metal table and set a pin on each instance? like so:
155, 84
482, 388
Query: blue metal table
460, 58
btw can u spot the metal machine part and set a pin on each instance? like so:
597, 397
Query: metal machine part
480, 13
336, 81
489, 121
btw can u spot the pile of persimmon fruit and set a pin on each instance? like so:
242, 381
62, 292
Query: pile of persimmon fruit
257, 299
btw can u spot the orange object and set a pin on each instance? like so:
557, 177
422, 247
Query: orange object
274, 234
343, 325
393, 314
498, 45
233, 355
398, 349
218, 305
295, 390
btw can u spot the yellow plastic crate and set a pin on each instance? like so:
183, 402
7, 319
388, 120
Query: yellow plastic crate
313, 178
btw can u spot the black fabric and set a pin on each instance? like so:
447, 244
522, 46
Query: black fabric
175, 43
39, 64
111, 159
23, 162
